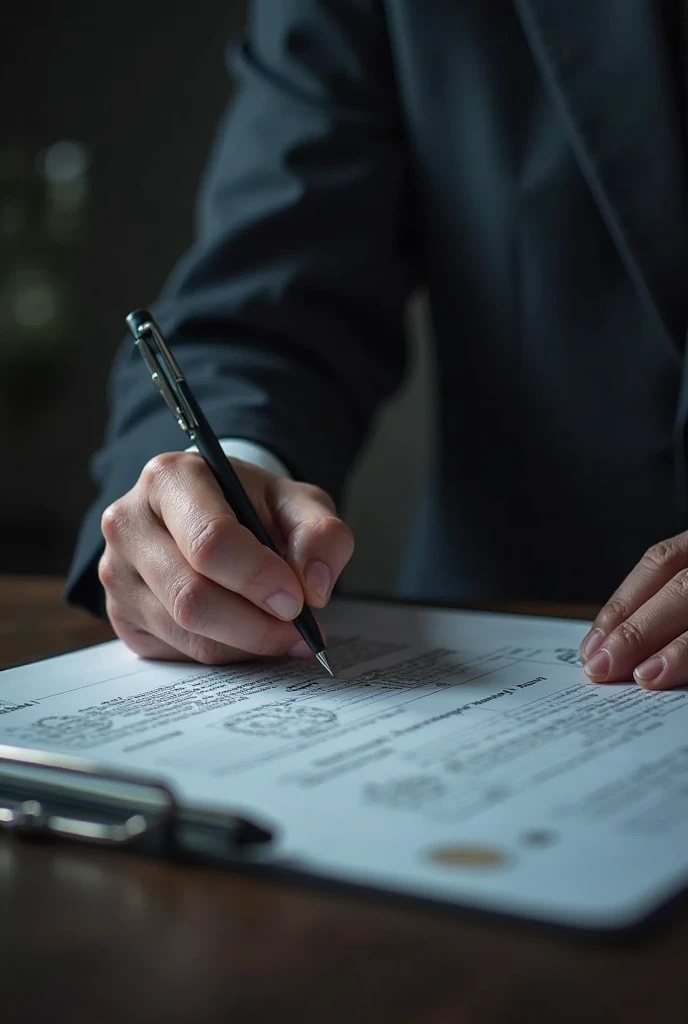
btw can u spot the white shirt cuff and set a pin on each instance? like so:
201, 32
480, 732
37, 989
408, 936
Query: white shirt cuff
247, 451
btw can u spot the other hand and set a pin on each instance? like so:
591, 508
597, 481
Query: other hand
642, 631
183, 579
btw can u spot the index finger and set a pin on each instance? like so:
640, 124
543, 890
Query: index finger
659, 564
182, 492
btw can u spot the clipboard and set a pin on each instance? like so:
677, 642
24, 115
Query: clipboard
377, 840
63, 799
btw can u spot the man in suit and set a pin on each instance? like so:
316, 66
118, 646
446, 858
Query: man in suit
525, 161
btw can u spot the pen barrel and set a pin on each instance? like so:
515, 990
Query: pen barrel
233, 490
240, 503
226, 476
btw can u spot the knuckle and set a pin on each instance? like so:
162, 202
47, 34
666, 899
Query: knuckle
113, 521
662, 555
628, 635
189, 605
679, 584
329, 536
319, 495
323, 529
206, 542
159, 467
615, 610
207, 651
107, 571
678, 649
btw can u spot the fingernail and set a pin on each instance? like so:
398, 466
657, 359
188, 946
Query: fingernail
284, 605
598, 667
319, 578
301, 650
591, 641
650, 669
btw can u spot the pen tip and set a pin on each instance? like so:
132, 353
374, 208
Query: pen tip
325, 662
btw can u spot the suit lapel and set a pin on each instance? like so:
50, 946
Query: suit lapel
605, 66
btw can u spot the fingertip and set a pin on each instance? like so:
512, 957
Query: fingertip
650, 674
591, 642
599, 666
284, 605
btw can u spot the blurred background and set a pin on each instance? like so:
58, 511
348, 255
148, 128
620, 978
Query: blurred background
107, 115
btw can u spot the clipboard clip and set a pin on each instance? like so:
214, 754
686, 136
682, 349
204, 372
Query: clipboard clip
60, 797
30, 820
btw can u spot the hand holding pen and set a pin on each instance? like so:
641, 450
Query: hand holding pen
183, 577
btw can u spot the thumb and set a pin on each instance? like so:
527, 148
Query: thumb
318, 544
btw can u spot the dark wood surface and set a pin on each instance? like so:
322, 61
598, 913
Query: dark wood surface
103, 939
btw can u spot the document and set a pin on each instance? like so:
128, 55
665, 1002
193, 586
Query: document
457, 756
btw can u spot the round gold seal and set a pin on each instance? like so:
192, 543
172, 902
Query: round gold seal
467, 855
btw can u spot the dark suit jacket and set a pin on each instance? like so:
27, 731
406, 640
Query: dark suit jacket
521, 158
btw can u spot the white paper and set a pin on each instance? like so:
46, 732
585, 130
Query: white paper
457, 755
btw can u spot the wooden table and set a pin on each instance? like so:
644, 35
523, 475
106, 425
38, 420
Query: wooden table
103, 939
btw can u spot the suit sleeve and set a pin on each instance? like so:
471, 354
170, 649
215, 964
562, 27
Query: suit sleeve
287, 313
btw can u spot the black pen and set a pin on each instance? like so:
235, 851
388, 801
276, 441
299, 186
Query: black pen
175, 390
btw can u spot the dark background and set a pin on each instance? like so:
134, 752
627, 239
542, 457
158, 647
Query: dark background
139, 87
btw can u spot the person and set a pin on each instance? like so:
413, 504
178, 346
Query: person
526, 163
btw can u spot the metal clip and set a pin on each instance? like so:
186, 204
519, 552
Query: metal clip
29, 820
163, 367
162, 383
62, 797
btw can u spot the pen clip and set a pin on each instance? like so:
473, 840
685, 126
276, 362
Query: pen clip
163, 368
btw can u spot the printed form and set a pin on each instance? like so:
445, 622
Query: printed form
458, 756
